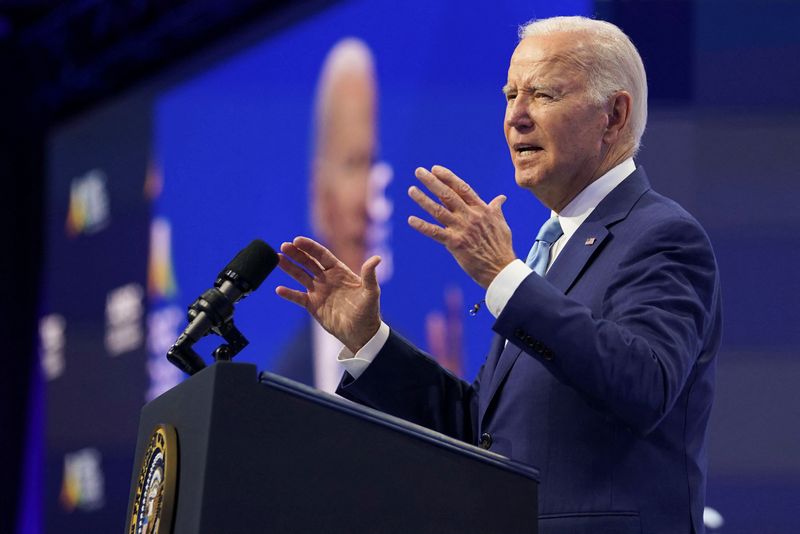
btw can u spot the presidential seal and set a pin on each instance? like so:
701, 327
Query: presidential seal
153, 504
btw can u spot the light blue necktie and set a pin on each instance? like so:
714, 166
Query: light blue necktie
539, 256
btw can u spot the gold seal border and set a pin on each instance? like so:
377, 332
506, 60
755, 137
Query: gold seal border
169, 444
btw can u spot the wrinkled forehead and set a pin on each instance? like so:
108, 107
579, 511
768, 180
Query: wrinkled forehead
559, 56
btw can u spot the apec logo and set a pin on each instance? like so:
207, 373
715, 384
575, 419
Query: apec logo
88, 211
161, 283
163, 328
124, 312
83, 486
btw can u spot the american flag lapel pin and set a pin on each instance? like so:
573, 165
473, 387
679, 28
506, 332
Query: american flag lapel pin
590, 241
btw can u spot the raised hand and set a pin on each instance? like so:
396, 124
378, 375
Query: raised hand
345, 304
475, 233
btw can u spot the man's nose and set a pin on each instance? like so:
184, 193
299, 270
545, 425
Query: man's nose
518, 115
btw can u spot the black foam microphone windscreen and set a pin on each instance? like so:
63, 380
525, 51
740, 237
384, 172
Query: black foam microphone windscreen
251, 265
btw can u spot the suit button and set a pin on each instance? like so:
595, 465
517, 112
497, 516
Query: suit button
486, 441
547, 354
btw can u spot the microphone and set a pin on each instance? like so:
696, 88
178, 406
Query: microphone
213, 310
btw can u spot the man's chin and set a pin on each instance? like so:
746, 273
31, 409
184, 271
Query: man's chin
535, 184
528, 180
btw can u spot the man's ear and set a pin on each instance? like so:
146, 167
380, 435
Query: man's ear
619, 115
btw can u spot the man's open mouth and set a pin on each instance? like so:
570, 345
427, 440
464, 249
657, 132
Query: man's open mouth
523, 148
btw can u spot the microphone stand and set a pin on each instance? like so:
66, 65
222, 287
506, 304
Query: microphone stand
219, 311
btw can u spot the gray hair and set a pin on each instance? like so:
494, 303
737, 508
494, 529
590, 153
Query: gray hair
611, 61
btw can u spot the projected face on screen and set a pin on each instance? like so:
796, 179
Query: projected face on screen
344, 150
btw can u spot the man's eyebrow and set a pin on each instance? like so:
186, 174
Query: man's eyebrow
525, 87
532, 88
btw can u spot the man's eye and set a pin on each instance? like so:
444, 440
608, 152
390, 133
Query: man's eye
542, 96
510, 97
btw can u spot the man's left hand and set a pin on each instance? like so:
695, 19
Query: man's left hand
475, 233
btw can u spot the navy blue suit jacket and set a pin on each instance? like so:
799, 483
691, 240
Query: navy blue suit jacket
607, 379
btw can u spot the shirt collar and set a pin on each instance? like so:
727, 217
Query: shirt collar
584, 203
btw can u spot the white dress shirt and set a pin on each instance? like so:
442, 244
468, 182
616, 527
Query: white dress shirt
325, 348
509, 279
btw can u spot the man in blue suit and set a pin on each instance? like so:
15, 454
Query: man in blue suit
601, 372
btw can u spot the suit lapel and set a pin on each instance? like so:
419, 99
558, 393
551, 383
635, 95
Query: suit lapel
589, 237
580, 248
573, 260
498, 343
505, 358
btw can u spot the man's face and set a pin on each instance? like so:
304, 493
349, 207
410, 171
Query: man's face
554, 132
342, 167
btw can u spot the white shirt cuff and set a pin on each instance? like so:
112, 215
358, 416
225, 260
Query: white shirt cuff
504, 285
357, 363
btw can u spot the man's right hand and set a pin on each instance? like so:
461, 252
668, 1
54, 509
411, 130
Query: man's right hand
345, 304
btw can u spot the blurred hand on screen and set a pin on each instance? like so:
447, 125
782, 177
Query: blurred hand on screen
444, 332
345, 304
475, 233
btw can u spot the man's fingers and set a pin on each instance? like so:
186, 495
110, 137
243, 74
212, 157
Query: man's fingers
319, 253
458, 185
369, 274
443, 192
301, 258
437, 211
497, 202
437, 233
292, 295
294, 271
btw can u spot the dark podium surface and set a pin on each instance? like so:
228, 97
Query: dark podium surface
261, 453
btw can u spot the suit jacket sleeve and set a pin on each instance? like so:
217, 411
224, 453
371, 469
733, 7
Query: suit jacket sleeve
633, 355
405, 382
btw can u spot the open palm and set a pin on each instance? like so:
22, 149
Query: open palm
345, 304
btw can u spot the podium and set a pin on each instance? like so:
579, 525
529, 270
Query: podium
261, 453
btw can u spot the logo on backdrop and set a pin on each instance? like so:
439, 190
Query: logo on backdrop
51, 345
155, 488
124, 312
83, 486
166, 317
88, 211
160, 272
163, 327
